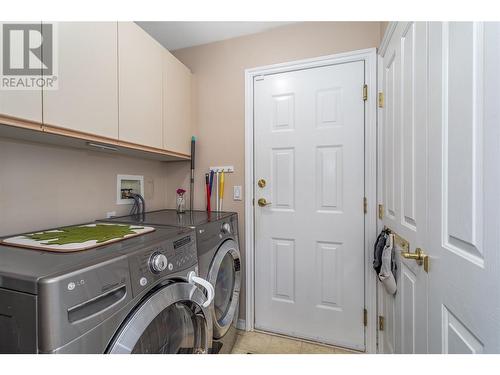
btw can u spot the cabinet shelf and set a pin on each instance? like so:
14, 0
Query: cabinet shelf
15, 128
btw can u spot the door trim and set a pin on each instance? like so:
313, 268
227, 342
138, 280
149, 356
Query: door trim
391, 27
370, 60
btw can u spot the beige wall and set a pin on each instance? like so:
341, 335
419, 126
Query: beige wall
43, 186
219, 91
383, 27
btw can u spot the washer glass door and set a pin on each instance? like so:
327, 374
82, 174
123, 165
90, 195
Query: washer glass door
170, 321
225, 275
224, 287
174, 330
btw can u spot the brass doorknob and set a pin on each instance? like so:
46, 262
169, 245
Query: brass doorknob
262, 202
261, 183
419, 256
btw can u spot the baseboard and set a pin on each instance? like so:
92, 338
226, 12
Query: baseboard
241, 324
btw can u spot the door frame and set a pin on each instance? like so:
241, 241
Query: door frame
369, 57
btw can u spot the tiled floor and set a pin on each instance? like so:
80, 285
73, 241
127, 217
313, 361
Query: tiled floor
262, 343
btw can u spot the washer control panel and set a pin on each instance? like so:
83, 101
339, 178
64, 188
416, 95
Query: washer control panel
154, 263
211, 234
226, 228
158, 262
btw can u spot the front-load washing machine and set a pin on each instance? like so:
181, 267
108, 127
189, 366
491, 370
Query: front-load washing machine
139, 295
219, 262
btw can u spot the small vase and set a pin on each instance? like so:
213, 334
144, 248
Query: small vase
181, 204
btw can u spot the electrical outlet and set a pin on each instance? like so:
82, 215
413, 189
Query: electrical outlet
237, 193
149, 189
110, 214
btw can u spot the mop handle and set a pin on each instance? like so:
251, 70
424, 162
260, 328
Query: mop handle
217, 190
207, 187
191, 189
211, 181
221, 189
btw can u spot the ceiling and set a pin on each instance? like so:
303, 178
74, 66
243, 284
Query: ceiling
176, 35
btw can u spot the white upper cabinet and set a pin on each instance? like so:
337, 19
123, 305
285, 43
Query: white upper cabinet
87, 97
22, 104
177, 124
114, 82
140, 65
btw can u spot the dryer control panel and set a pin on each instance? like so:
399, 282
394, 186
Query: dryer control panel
210, 235
160, 261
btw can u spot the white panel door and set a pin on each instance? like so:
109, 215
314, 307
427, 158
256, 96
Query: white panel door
464, 214
309, 148
403, 170
87, 97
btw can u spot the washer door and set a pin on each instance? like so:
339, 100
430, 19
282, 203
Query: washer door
170, 321
225, 276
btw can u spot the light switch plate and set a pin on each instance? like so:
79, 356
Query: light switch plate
237, 193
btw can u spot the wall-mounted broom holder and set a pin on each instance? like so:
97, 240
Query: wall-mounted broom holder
225, 169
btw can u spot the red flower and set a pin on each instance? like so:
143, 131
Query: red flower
180, 191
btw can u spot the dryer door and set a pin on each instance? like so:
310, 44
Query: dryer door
225, 276
170, 321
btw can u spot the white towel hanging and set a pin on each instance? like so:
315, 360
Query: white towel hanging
386, 276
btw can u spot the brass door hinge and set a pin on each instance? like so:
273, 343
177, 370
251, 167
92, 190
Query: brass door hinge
365, 205
381, 322
365, 92
365, 317
380, 211
381, 99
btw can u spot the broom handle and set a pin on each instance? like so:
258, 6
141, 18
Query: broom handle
191, 189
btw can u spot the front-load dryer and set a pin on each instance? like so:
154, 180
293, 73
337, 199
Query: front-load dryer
139, 295
219, 262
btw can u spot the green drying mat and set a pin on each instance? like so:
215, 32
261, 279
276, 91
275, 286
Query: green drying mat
76, 238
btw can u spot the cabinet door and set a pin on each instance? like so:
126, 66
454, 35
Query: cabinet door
177, 125
140, 61
87, 97
23, 104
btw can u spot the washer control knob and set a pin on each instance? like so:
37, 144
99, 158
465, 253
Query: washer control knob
226, 228
158, 262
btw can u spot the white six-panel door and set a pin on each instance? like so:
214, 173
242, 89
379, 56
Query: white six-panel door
403, 173
439, 163
309, 255
464, 193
